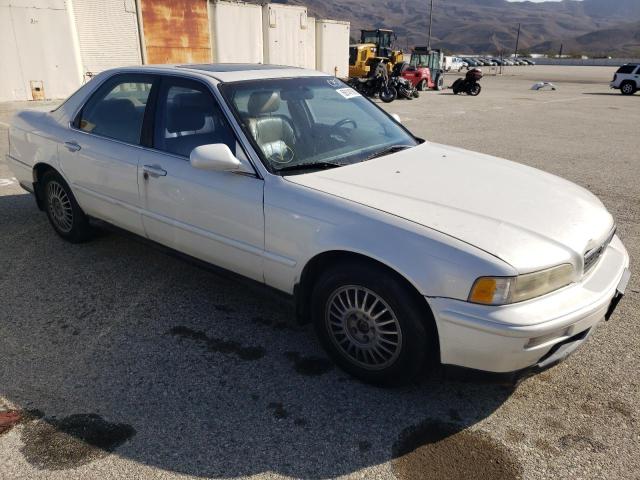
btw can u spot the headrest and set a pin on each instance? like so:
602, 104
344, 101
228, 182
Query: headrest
185, 119
263, 102
117, 107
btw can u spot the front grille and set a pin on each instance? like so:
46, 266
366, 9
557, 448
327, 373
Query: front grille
592, 256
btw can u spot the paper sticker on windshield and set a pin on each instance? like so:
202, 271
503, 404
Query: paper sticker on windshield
348, 93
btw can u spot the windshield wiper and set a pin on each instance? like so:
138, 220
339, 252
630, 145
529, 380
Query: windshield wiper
309, 166
389, 150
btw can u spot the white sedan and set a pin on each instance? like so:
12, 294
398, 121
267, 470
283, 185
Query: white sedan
403, 253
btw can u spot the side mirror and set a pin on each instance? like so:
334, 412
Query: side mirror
397, 118
216, 157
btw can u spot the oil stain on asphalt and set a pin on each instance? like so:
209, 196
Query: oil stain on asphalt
71, 441
435, 450
309, 366
217, 345
278, 410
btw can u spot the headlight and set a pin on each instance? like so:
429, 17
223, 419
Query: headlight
504, 290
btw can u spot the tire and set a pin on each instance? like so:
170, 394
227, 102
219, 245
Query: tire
397, 310
440, 83
64, 213
474, 90
389, 94
628, 88
457, 85
416, 94
422, 85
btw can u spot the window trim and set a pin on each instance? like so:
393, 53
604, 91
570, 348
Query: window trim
154, 79
252, 157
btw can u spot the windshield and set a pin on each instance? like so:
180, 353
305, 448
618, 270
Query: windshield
299, 124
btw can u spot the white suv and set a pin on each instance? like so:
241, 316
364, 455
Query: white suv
627, 79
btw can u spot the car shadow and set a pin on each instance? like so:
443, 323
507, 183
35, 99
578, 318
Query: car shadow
608, 94
112, 346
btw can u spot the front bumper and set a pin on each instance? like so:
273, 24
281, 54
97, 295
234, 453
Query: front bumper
537, 332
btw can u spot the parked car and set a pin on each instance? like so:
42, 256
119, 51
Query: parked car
627, 79
401, 252
527, 61
455, 64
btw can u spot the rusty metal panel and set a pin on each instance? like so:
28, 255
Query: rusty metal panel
176, 31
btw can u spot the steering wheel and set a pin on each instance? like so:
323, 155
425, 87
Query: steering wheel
282, 155
343, 134
345, 121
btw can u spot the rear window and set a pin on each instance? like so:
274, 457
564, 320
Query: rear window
627, 69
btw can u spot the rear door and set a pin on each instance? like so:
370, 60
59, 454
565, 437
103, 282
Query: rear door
99, 156
214, 216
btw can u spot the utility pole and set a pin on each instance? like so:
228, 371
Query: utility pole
430, 25
561, 48
517, 41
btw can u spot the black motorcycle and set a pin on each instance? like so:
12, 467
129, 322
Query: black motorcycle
403, 86
377, 83
469, 84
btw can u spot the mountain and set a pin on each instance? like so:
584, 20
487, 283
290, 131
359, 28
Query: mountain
489, 26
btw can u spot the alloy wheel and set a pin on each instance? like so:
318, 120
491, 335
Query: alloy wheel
363, 327
59, 206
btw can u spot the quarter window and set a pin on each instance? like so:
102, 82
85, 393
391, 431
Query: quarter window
117, 109
187, 117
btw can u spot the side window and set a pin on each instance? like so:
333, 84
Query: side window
626, 69
117, 109
188, 116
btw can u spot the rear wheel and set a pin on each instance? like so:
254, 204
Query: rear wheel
371, 324
64, 213
440, 83
474, 90
628, 88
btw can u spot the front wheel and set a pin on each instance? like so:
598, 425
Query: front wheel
422, 85
388, 94
371, 324
64, 213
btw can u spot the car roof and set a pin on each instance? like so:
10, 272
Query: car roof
231, 72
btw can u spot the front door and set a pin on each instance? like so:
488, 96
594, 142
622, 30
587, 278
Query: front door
214, 216
100, 153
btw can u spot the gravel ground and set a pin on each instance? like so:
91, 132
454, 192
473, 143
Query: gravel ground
127, 362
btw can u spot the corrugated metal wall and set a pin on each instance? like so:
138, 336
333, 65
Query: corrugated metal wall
176, 31
38, 55
107, 33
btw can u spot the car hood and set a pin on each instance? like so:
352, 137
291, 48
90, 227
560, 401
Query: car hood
526, 217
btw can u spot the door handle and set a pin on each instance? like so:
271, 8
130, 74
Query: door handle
154, 171
72, 146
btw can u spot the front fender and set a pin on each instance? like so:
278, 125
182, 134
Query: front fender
301, 223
